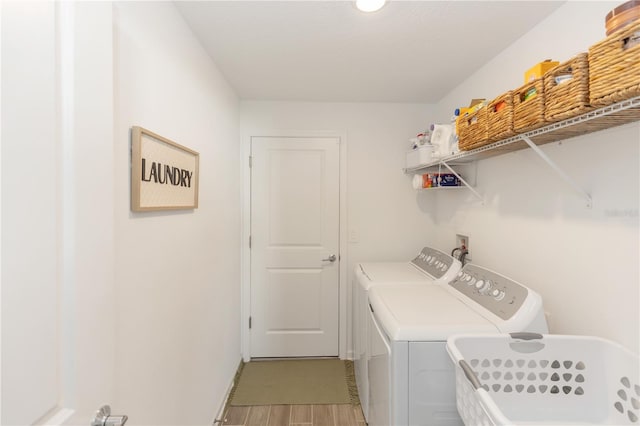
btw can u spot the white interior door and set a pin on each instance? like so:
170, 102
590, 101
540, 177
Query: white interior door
294, 234
56, 262
30, 328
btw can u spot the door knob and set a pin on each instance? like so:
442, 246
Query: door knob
103, 417
331, 258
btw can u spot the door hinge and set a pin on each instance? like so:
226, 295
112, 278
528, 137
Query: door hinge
249, 322
249, 241
250, 161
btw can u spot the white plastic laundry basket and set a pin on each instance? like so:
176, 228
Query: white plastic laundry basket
534, 379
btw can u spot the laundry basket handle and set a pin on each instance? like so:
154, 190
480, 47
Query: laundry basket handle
523, 335
469, 373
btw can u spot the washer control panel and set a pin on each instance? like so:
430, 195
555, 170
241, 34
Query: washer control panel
496, 293
434, 262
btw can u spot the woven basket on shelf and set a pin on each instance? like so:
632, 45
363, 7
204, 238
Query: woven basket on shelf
472, 130
500, 117
614, 67
528, 114
566, 99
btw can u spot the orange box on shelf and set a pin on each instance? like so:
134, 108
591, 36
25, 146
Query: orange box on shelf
538, 70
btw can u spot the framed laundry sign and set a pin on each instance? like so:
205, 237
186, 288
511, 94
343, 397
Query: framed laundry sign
164, 174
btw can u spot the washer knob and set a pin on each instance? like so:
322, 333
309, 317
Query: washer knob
459, 274
483, 286
498, 294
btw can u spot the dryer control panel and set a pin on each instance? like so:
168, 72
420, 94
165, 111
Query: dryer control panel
434, 262
496, 293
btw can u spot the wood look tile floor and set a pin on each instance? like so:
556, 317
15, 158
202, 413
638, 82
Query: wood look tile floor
295, 415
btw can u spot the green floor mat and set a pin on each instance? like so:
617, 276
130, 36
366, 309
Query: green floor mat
309, 381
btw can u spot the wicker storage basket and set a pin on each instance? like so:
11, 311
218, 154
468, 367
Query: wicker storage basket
528, 114
565, 99
500, 119
473, 130
614, 67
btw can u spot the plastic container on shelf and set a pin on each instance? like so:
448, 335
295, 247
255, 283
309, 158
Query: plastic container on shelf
435, 180
419, 156
534, 379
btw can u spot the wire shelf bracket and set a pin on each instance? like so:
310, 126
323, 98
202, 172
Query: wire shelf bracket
558, 170
464, 182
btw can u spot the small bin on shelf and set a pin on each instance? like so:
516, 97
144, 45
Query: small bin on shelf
418, 157
614, 67
566, 89
473, 130
528, 106
533, 379
500, 117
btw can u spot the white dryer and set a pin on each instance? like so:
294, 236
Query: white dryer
431, 266
411, 378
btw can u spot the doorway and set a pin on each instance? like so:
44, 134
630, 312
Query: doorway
294, 246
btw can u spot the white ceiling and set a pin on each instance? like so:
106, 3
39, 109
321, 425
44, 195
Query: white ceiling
410, 51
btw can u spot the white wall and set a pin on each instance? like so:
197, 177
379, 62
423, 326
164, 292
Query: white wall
386, 217
177, 273
533, 227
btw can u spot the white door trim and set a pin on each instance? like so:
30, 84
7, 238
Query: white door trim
245, 253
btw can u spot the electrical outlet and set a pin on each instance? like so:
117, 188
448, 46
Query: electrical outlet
353, 236
463, 240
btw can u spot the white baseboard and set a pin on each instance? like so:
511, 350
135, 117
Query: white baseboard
218, 418
349, 355
59, 417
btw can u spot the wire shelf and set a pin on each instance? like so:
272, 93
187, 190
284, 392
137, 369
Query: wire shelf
613, 115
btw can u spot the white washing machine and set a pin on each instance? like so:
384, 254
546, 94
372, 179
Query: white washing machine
411, 378
431, 266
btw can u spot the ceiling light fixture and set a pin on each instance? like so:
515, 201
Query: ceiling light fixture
370, 5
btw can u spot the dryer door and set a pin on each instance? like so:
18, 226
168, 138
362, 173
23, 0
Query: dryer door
360, 319
379, 370
432, 386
